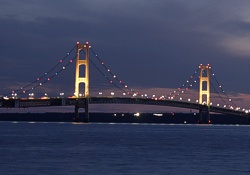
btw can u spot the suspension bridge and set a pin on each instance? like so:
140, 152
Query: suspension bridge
82, 98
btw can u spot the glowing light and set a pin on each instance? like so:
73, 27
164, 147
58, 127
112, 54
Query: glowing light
63, 67
77, 42
48, 79
158, 115
137, 114
114, 76
61, 61
70, 61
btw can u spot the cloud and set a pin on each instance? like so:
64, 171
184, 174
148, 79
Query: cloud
146, 43
238, 46
225, 25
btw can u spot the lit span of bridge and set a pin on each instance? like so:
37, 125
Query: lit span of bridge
81, 102
203, 106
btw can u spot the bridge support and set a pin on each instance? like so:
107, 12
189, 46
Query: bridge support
204, 90
82, 79
204, 114
82, 103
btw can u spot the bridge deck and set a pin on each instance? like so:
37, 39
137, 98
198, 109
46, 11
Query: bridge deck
25, 103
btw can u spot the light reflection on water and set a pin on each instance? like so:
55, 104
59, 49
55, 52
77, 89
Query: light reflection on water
95, 148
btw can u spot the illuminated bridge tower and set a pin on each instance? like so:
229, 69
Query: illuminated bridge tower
204, 91
82, 77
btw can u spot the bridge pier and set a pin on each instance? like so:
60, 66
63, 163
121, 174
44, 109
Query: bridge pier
76, 117
84, 105
86, 117
204, 114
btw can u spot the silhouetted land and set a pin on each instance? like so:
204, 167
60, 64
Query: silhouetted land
188, 118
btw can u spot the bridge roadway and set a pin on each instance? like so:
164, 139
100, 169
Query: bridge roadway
25, 103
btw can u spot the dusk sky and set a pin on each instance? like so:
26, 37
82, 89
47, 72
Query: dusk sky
148, 44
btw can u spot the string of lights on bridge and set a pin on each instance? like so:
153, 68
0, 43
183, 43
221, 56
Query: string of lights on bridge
125, 88
184, 87
189, 84
44, 78
118, 83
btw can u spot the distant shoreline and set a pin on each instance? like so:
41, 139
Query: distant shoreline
176, 118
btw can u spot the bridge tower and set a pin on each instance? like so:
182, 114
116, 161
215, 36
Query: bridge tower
82, 100
204, 90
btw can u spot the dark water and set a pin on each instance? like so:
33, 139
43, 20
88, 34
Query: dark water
67, 148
